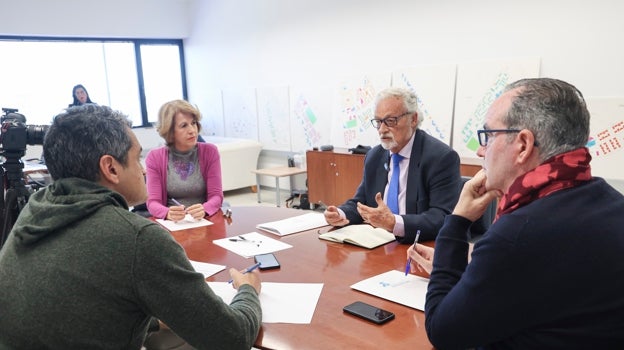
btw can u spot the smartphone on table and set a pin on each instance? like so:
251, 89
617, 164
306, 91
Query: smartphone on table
267, 261
369, 312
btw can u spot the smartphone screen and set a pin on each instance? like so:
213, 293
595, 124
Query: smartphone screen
267, 261
369, 312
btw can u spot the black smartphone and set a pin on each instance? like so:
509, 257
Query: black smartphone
369, 312
267, 261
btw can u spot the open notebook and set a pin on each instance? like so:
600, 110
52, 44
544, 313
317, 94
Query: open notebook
363, 235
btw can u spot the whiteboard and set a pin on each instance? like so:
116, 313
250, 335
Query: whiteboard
310, 111
478, 85
435, 88
354, 108
606, 138
210, 104
239, 113
274, 118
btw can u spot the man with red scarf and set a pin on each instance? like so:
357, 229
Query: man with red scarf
548, 273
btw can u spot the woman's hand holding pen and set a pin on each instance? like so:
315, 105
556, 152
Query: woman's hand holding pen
176, 213
196, 211
422, 256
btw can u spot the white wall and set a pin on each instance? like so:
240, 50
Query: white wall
164, 19
255, 43
252, 43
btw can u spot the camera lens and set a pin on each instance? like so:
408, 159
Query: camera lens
35, 134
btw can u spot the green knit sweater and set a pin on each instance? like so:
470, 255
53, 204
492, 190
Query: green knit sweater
79, 271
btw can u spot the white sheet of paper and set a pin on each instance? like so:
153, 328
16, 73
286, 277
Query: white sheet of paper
253, 244
187, 222
281, 302
410, 290
294, 224
34, 166
206, 269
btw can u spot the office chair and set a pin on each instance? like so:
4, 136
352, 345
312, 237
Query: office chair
165, 339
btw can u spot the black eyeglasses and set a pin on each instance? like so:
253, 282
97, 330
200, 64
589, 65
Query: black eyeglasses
389, 121
484, 135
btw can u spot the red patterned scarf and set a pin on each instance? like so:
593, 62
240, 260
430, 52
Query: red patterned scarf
561, 171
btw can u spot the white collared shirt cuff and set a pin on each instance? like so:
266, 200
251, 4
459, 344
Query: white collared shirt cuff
399, 226
342, 213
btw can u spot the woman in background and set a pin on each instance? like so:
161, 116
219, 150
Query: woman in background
184, 176
80, 95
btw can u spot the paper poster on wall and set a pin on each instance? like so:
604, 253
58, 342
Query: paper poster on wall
354, 108
478, 85
606, 138
435, 88
210, 104
310, 117
274, 118
239, 112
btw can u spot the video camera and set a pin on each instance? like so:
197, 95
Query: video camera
14, 136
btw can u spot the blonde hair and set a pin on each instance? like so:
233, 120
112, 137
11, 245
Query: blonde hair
167, 113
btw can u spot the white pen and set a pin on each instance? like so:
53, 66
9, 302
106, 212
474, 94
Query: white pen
179, 204
182, 205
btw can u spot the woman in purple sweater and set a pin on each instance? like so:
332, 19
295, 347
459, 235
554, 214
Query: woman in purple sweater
184, 176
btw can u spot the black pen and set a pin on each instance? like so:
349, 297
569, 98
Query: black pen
247, 270
243, 239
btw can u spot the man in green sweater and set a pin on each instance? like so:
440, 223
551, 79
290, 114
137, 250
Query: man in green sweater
79, 271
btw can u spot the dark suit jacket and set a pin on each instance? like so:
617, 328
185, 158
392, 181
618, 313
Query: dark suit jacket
433, 186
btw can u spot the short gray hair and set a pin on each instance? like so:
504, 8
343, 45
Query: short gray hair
553, 110
80, 136
410, 100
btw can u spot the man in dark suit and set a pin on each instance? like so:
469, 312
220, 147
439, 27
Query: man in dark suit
428, 175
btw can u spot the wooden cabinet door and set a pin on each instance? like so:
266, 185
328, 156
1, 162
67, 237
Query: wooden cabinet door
321, 177
334, 176
349, 172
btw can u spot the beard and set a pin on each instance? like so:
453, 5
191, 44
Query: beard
388, 144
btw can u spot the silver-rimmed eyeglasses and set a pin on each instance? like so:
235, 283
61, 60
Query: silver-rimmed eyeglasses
389, 121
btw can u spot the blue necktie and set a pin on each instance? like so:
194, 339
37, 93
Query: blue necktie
393, 190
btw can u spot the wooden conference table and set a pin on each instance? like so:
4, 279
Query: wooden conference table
312, 260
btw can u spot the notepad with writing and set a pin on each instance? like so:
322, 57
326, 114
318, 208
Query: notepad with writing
294, 224
363, 235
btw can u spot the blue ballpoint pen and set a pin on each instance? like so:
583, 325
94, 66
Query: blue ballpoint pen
247, 270
178, 203
409, 260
